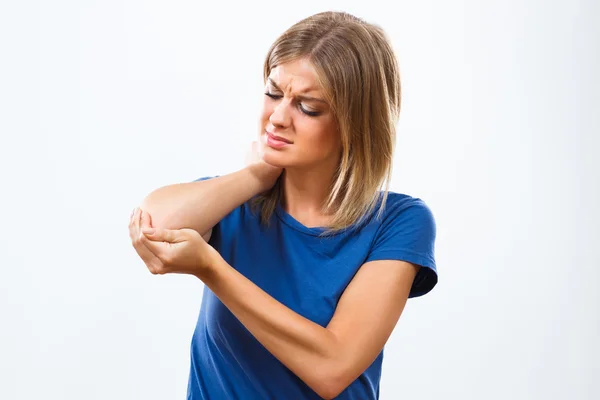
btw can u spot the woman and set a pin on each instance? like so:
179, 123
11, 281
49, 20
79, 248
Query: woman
307, 265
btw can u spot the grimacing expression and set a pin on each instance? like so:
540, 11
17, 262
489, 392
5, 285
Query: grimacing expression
298, 128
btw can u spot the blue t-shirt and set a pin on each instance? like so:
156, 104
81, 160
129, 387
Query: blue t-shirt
307, 273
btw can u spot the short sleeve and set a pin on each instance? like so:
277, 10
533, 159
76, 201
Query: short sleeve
407, 233
204, 178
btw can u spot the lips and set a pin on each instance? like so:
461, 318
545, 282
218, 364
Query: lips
281, 139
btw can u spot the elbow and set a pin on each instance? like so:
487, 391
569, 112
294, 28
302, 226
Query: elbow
155, 207
330, 389
330, 384
148, 203
333, 373
329, 394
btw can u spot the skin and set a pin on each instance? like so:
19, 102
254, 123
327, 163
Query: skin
326, 359
292, 100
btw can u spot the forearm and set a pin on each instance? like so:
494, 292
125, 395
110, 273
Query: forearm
201, 205
309, 350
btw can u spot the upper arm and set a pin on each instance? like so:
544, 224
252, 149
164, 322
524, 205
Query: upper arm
161, 205
367, 313
207, 235
399, 265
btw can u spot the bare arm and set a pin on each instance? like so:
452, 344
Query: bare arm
201, 205
326, 359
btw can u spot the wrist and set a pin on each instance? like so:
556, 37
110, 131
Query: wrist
259, 179
215, 266
210, 261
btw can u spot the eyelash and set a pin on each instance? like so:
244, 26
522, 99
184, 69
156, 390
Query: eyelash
309, 113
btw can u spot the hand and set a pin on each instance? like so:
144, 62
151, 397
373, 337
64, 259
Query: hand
138, 221
165, 251
266, 173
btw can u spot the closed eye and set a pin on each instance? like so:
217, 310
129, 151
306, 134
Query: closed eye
304, 110
273, 96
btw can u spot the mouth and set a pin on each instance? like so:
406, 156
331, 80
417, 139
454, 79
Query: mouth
278, 138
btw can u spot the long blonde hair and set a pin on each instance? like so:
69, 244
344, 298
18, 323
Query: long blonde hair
358, 71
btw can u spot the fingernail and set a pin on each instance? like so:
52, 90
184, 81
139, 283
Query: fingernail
148, 231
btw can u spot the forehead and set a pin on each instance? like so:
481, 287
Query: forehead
297, 76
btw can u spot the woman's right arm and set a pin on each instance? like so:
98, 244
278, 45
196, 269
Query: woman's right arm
200, 205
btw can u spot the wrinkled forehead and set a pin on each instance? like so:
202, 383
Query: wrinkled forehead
295, 77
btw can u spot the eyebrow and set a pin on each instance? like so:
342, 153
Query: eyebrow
300, 96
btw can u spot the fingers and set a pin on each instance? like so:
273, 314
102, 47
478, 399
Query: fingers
132, 225
152, 262
159, 242
162, 235
146, 221
252, 154
157, 248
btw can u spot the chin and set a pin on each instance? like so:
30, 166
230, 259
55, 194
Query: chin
276, 160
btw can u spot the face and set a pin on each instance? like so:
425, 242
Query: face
298, 129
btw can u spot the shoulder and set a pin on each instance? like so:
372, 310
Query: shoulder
400, 208
406, 231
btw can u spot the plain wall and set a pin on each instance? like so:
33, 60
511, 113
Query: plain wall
103, 101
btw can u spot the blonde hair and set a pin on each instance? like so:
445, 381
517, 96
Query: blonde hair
358, 71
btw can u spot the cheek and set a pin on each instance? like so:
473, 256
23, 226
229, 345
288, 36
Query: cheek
323, 132
321, 139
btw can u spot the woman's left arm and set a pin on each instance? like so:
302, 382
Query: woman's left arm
326, 359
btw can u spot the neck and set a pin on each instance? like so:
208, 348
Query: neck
305, 193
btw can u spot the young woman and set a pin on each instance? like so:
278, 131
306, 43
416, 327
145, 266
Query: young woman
307, 264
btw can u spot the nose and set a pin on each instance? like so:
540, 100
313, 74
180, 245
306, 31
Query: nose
281, 114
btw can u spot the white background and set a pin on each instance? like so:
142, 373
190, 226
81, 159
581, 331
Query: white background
103, 101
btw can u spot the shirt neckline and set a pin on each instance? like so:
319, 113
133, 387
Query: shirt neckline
292, 222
